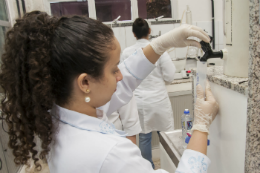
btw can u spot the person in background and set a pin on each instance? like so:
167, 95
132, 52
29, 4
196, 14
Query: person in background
154, 106
126, 118
61, 77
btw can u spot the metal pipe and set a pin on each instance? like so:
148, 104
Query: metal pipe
23, 5
213, 24
18, 8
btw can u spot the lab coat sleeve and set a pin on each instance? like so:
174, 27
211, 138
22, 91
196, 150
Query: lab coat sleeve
130, 118
126, 157
167, 67
193, 162
134, 69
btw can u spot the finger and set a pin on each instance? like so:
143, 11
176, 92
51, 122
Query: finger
195, 33
208, 85
199, 91
209, 95
192, 43
201, 30
216, 110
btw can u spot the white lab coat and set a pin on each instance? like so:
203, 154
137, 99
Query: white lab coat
126, 118
154, 106
84, 144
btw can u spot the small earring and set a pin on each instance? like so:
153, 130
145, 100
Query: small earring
87, 91
87, 99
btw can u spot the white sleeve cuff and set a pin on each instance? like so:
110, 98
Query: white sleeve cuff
134, 130
138, 65
193, 161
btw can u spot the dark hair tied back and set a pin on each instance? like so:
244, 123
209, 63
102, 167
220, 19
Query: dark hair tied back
140, 28
42, 56
140, 22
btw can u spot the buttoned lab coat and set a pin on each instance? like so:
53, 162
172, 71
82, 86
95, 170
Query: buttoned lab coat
126, 118
85, 144
154, 106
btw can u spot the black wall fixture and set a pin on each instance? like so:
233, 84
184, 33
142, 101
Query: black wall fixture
23, 6
213, 25
18, 8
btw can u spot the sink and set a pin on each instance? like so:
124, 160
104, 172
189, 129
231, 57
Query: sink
175, 137
172, 143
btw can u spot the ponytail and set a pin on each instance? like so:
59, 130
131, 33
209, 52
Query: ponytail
26, 81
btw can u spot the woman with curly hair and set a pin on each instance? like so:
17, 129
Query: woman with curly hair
60, 77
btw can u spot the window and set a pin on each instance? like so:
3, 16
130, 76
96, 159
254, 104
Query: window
4, 24
108, 10
3, 11
3, 30
149, 9
69, 8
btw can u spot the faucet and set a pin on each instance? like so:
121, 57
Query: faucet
209, 52
115, 20
156, 19
154, 36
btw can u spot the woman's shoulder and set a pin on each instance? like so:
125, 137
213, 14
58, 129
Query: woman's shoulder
89, 147
78, 137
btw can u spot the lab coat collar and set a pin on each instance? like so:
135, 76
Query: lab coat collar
85, 122
142, 41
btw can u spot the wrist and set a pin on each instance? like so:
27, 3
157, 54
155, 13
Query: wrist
157, 46
201, 133
201, 128
198, 142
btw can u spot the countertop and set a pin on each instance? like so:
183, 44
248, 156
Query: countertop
180, 87
216, 75
179, 81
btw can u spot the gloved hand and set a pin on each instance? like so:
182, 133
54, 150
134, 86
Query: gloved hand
178, 38
205, 111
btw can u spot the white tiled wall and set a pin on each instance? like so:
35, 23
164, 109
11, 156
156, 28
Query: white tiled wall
120, 34
163, 28
130, 39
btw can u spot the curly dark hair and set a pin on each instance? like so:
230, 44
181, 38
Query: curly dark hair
42, 55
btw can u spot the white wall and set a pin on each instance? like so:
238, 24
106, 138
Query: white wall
228, 132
